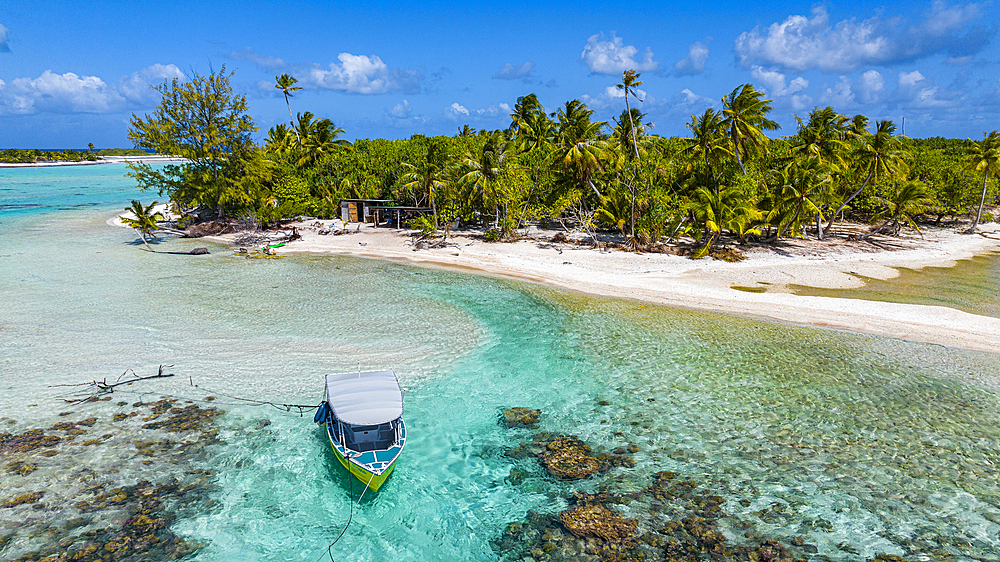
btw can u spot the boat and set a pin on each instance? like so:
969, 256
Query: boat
363, 415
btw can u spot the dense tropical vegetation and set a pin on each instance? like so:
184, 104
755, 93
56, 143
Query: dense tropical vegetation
728, 179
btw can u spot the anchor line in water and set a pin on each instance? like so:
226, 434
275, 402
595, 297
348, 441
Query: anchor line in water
350, 516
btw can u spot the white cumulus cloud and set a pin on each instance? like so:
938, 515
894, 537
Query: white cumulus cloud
361, 74
73, 93
511, 72
266, 62
136, 86
401, 110
4, 45
840, 94
870, 86
502, 109
915, 91
774, 82
456, 110
64, 93
806, 43
614, 57
694, 62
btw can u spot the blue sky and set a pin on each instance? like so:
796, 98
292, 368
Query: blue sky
74, 72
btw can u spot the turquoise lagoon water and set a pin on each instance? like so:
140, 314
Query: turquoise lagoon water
860, 445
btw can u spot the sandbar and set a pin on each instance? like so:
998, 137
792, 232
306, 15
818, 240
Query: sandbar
707, 283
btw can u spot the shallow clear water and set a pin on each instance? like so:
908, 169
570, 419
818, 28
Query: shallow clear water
860, 444
970, 286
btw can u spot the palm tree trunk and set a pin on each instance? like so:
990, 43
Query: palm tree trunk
736, 150
292, 121
143, 238
434, 209
982, 201
631, 125
877, 230
849, 199
781, 228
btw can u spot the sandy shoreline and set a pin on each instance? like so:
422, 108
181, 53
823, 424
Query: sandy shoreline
707, 284
99, 161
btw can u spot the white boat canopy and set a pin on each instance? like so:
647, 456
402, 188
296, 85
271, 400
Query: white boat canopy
365, 398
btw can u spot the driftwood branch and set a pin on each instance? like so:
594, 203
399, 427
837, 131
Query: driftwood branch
104, 387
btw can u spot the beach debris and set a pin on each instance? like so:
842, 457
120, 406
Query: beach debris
191, 252
728, 255
521, 417
102, 387
266, 252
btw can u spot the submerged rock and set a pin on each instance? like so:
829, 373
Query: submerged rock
98, 511
568, 457
597, 521
30, 497
570, 464
521, 417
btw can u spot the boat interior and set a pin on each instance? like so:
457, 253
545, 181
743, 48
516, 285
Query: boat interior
363, 438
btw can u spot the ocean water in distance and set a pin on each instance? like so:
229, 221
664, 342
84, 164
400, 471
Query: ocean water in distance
855, 444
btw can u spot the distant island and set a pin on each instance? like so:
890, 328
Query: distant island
18, 158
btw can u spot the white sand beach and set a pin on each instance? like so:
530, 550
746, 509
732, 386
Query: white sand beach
151, 159
707, 283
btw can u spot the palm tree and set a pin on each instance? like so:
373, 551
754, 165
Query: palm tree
708, 141
823, 136
629, 126
625, 135
745, 117
286, 83
426, 175
727, 209
630, 81
859, 125
536, 131
485, 166
524, 108
318, 137
145, 221
803, 185
905, 201
881, 155
529, 123
280, 139
579, 147
985, 158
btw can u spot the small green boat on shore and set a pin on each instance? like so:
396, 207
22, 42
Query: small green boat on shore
362, 412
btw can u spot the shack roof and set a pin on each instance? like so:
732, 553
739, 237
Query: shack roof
366, 397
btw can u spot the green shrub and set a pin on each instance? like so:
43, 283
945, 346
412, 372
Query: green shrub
493, 235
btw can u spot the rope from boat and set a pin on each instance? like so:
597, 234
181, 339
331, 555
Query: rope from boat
351, 515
